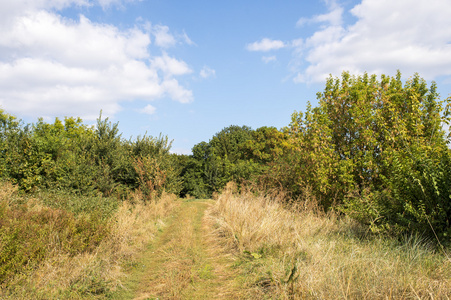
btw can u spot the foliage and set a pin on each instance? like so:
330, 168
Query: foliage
68, 155
266, 145
71, 177
377, 149
221, 160
372, 148
274, 152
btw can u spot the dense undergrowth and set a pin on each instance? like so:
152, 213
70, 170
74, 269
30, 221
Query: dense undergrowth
66, 249
297, 252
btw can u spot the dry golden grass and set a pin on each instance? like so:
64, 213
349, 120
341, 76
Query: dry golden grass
96, 274
283, 252
291, 252
7, 191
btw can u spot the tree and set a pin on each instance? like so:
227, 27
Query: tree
377, 149
219, 161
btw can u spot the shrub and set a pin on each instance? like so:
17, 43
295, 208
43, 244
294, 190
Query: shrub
30, 232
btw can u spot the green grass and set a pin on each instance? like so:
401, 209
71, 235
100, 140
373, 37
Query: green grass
104, 207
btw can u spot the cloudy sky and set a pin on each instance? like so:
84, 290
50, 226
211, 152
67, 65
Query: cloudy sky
188, 69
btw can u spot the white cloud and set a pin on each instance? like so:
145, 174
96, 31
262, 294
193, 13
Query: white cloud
149, 110
388, 35
10, 9
19, 5
176, 92
265, 45
207, 72
108, 3
165, 39
52, 66
186, 39
268, 59
162, 36
333, 17
170, 66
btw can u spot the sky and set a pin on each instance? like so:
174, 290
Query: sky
188, 69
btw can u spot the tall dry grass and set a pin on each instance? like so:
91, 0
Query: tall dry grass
295, 252
93, 274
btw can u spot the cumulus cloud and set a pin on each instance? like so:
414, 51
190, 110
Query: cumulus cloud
9, 9
388, 35
177, 92
170, 66
52, 66
266, 45
207, 72
333, 17
162, 36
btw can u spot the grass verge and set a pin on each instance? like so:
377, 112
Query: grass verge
295, 252
53, 252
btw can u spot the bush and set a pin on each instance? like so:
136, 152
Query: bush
73, 157
29, 232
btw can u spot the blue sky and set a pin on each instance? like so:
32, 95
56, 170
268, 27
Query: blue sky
188, 69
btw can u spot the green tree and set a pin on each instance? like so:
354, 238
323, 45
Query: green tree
219, 161
87, 160
377, 148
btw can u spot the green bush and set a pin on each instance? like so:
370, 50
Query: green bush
420, 199
73, 157
223, 159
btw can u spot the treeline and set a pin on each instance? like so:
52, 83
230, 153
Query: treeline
373, 148
71, 156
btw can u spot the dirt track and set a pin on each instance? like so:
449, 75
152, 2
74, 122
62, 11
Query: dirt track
185, 262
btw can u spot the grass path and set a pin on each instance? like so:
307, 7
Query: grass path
185, 262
